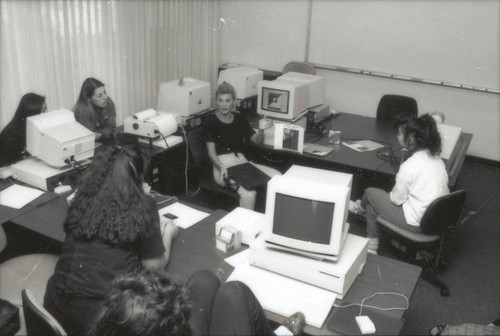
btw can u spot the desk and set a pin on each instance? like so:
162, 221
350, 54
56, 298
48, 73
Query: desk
194, 249
368, 169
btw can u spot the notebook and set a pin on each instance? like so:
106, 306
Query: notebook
247, 175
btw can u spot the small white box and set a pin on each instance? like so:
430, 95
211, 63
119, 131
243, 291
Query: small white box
228, 238
244, 79
249, 222
184, 97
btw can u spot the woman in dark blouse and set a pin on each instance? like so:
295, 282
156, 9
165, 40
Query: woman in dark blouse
13, 136
226, 134
112, 229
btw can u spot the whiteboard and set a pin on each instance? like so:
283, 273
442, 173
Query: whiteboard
450, 41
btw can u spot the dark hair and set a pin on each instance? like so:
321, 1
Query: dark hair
13, 136
30, 104
424, 131
110, 203
225, 88
84, 110
146, 304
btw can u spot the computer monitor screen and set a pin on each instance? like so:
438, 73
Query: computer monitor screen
290, 223
306, 211
275, 100
282, 99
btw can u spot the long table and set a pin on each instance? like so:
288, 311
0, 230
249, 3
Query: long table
194, 249
367, 167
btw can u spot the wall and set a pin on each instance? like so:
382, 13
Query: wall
268, 34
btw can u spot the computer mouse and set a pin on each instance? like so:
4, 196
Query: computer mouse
365, 324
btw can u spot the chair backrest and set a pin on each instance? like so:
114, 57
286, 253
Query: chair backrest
443, 213
395, 107
38, 319
198, 149
302, 67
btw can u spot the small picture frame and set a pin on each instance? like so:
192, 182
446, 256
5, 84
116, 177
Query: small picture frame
289, 137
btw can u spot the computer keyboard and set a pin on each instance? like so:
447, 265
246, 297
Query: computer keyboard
285, 296
317, 149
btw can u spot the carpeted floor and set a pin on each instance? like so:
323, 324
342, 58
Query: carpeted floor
472, 258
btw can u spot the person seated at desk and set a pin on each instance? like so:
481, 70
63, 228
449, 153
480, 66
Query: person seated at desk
150, 304
13, 136
226, 134
112, 229
420, 180
95, 110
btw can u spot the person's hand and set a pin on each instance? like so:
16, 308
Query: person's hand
223, 172
169, 230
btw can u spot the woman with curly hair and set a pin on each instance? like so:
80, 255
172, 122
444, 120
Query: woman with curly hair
150, 304
13, 136
112, 229
95, 110
421, 178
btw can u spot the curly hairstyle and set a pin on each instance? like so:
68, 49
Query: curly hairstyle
146, 304
425, 133
110, 203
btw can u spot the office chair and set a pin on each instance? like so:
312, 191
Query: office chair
38, 319
302, 67
30, 271
217, 197
441, 216
395, 107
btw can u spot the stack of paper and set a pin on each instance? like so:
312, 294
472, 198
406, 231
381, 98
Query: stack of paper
17, 196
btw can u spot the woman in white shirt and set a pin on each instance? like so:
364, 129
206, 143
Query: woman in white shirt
421, 179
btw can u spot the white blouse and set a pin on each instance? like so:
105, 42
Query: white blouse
421, 179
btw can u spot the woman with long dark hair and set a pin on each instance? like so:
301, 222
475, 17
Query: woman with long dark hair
95, 110
112, 229
421, 178
13, 136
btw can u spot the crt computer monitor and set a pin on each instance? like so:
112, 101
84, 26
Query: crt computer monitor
58, 139
315, 86
282, 99
306, 211
244, 79
184, 97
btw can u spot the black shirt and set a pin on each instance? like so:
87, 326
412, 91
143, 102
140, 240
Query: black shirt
230, 137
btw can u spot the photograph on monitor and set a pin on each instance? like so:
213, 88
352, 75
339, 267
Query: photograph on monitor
275, 100
303, 219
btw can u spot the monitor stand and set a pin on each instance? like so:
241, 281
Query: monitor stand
314, 255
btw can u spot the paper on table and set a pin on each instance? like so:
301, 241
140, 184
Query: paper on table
186, 216
362, 145
17, 196
238, 258
285, 296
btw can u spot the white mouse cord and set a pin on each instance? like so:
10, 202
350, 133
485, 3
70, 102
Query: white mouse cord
362, 304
